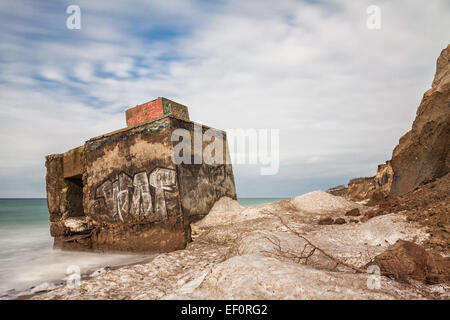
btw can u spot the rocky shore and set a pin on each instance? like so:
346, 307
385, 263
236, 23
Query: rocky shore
273, 251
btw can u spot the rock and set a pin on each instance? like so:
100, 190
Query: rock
76, 225
339, 221
353, 213
383, 181
371, 214
422, 154
405, 260
224, 211
325, 221
252, 276
43, 287
357, 189
340, 191
360, 188
321, 201
365, 188
100, 271
69, 226
284, 246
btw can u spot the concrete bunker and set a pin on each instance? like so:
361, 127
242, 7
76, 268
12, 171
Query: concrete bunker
122, 191
75, 195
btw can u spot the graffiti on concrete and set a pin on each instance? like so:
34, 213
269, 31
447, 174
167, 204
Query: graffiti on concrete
139, 196
177, 110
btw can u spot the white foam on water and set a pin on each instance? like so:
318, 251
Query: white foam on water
29, 264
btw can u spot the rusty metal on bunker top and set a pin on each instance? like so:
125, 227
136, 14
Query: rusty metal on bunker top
121, 191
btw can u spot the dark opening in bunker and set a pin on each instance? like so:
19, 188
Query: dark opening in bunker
75, 195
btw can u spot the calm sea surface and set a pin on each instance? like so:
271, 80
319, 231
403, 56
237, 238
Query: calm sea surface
28, 262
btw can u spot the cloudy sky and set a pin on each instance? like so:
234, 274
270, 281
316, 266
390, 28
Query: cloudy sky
340, 93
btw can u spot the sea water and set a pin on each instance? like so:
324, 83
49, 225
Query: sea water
28, 262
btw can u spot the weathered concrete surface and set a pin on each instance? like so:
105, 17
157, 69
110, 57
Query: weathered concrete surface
61, 191
73, 162
123, 191
131, 191
61, 194
55, 185
201, 185
155, 109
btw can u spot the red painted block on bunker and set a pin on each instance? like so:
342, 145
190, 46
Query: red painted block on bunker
155, 109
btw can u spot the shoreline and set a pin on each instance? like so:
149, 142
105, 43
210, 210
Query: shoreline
233, 244
21, 290
85, 276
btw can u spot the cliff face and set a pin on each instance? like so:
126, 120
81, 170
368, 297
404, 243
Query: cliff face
376, 187
383, 181
422, 154
360, 188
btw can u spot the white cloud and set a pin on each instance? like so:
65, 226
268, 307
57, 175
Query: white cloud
84, 71
120, 68
53, 74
